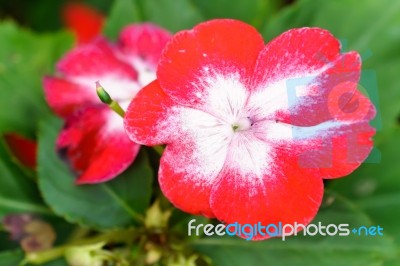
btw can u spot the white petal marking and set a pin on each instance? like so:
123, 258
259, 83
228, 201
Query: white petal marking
119, 89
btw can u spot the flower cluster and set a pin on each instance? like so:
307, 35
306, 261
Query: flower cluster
93, 139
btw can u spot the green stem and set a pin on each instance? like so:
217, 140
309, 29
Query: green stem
106, 98
159, 149
117, 108
41, 257
44, 256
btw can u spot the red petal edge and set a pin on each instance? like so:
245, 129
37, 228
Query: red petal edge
95, 144
146, 117
192, 57
143, 41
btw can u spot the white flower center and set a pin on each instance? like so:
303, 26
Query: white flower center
242, 124
236, 127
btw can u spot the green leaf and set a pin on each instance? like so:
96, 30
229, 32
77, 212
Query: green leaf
15, 257
173, 15
18, 193
161, 12
58, 262
253, 12
24, 59
123, 12
375, 187
5, 242
310, 250
191, 12
109, 205
11, 257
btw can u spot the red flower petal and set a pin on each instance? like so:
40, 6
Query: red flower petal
215, 48
143, 41
296, 72
191, 164
181, 181
146, 116
94, 142
314, 89
331, 149
296, 52
152, 119
278, 193
81, 68
347, 152
83, 20
65, 97
94, 60
22, 148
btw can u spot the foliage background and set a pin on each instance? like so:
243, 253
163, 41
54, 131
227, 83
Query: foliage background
369, 196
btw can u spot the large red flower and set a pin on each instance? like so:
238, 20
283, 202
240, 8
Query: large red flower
252, 129
93, 139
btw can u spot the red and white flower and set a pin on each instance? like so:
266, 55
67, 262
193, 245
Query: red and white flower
253, 129
93, 139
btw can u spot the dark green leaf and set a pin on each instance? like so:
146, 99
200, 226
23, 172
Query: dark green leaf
108, 205
14, 258
11, 257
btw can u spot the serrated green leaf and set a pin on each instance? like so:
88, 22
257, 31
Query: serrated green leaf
109, 205
18, 193
24, 59
349, 250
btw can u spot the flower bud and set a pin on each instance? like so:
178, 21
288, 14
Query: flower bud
103, 95
84, 255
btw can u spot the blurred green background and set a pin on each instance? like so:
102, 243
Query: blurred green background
44, 15
369, 196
